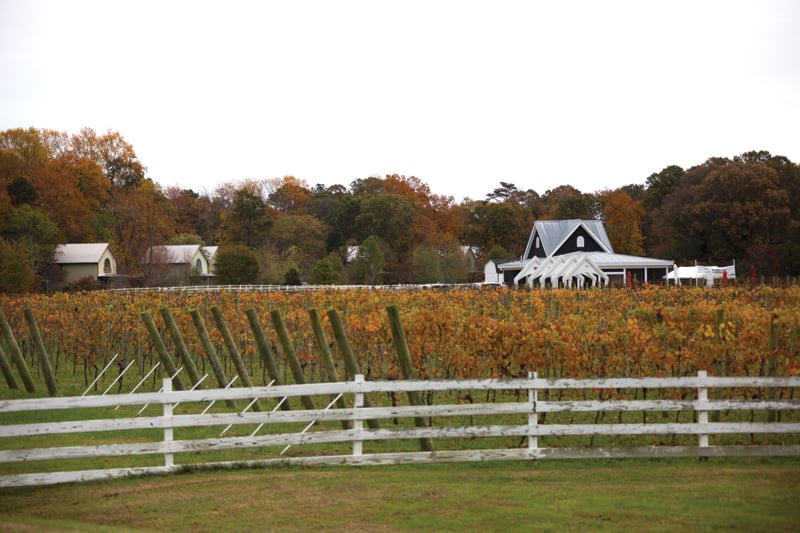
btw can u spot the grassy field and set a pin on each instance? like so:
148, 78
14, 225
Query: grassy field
619, 495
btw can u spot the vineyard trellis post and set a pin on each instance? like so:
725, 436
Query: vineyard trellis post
180, 346
350, 363
407, 367
234, 353
328, 366
8, 373
161, 348
211, 353
267, 356
291, 356
44, 362
264, 349
16, 354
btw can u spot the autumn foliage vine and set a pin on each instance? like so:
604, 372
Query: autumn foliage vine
452, 333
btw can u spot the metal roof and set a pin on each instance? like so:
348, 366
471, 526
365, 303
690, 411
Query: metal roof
210, 251
553, 233
176, 254
607, 261
80, 253
601, 259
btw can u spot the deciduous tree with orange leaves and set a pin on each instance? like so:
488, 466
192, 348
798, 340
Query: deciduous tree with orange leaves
623, 220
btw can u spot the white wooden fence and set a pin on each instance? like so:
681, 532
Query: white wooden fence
529, 409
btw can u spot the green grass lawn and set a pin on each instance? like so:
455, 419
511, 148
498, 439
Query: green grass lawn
606, 495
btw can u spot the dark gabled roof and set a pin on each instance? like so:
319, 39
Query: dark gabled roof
553, 233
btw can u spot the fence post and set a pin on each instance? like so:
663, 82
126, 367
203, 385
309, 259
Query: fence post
167, 389
702, 415
358, 424
533, 418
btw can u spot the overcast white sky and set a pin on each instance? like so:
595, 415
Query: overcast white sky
461, 94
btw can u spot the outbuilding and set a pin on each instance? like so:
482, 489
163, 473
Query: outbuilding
177, 263
93, 260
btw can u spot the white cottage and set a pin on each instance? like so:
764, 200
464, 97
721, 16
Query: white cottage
86, 260
211, 254
180, 259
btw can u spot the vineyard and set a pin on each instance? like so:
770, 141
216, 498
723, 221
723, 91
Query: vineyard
451, 333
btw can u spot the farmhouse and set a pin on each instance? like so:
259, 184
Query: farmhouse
177, 263
86, 260
573, 253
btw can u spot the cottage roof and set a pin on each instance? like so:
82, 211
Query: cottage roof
607, 262
611, 261
175, 254
553, 233
210, 251
80, 253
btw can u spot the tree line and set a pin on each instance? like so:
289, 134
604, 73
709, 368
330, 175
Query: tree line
57, 187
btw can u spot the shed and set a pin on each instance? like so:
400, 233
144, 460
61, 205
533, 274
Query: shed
493, 274
179, 259
86, 260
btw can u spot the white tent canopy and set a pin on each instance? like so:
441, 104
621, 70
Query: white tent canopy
699, 273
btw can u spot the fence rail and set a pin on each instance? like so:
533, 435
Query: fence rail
524, 419
299, 288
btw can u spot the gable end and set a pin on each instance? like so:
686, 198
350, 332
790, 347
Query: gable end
579, 240
535, 246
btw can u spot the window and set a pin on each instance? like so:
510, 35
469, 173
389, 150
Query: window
579, 243
537, 242
199, 266
107, 266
